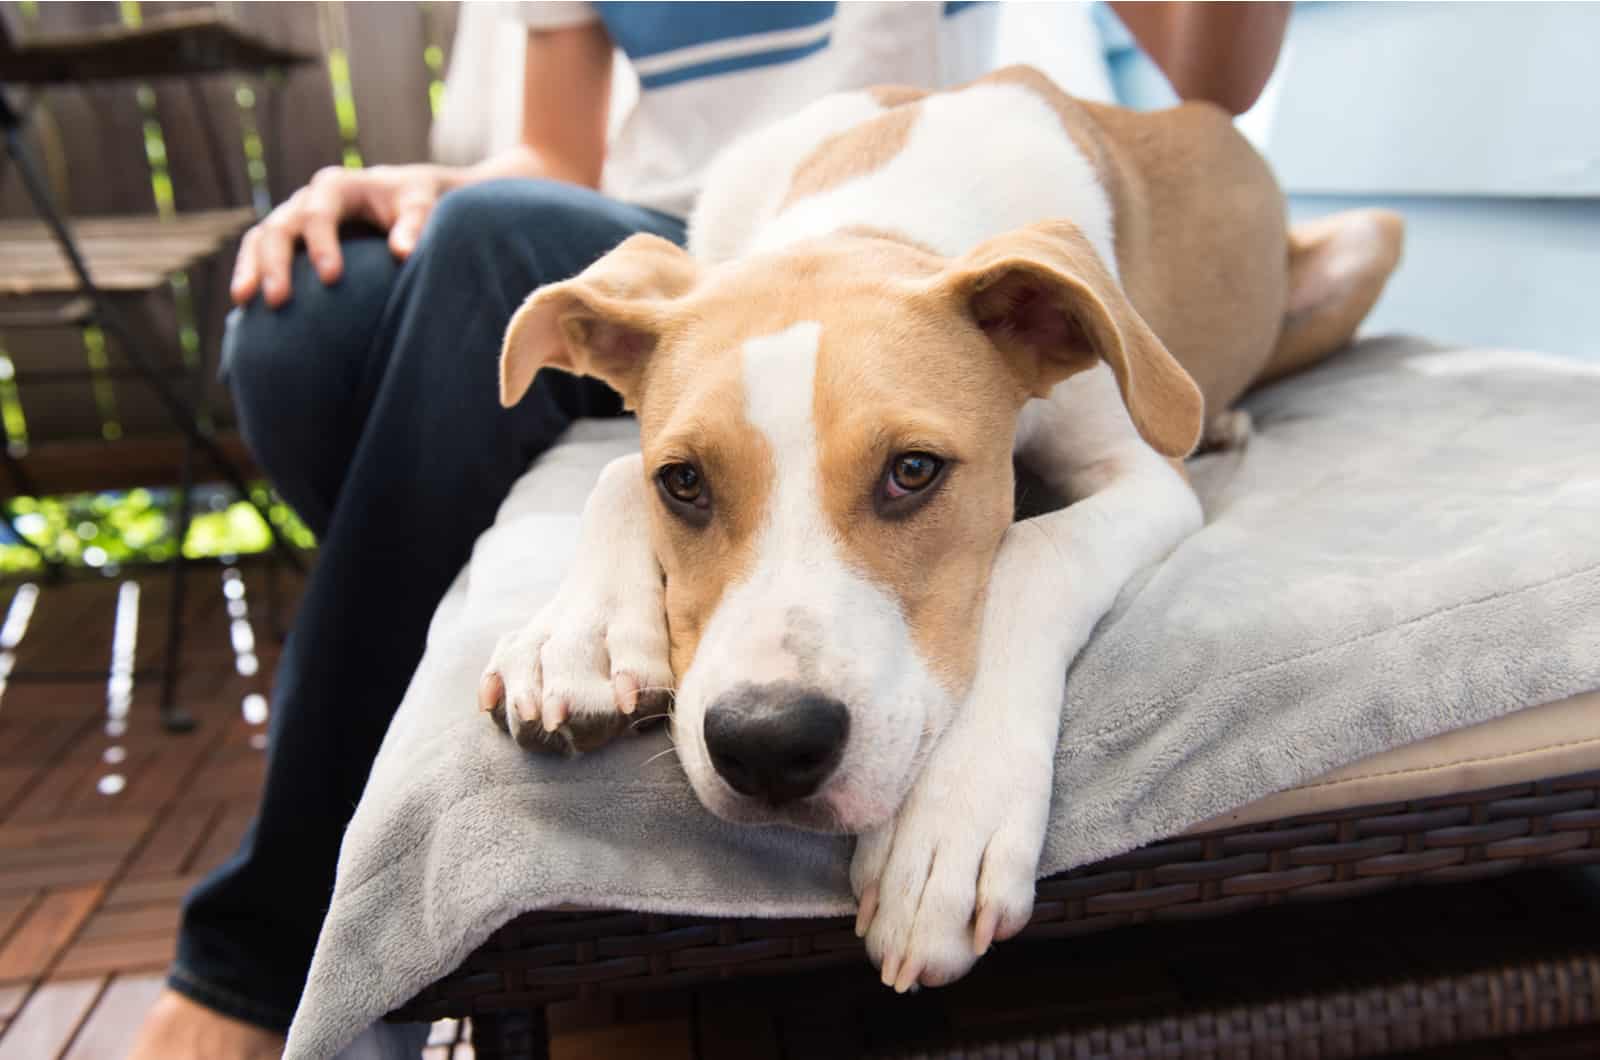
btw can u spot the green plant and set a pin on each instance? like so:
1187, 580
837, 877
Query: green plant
109, 530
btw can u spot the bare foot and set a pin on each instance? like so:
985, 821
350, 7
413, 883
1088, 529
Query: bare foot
179, 1029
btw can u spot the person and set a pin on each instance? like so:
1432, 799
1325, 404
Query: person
364, 376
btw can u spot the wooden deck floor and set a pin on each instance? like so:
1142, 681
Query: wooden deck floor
106, 820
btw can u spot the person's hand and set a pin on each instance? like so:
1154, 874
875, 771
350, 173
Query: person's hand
397, 199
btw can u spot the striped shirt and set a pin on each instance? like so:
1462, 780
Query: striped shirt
709, 72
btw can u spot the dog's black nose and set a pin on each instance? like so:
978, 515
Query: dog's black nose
777, 741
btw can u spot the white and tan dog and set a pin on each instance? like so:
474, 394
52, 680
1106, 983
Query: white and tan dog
887, 299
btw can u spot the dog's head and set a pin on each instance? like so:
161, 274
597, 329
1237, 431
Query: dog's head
829, 431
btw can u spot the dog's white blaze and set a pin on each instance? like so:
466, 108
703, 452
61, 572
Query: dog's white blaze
780, 379
1007, 138
798, 565
743, 641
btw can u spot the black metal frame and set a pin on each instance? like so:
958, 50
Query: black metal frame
188, 413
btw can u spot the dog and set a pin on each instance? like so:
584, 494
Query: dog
889, 299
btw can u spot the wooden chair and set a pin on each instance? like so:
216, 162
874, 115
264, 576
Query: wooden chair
160, 141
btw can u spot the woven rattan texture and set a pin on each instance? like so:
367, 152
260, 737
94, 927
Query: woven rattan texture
1376, 1021
544, 957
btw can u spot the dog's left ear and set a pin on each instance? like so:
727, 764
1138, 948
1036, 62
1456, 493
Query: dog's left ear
1045, 300
605, 322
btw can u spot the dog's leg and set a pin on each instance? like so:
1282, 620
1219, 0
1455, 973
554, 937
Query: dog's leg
955, 869
1338, 266
598, 650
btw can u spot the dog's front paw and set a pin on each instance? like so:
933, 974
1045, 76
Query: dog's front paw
953, 872
569, 680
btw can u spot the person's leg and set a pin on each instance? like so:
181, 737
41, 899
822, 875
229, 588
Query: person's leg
295, 373
435, 457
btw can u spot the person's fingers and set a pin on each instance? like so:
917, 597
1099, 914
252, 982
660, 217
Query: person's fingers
409, 219
246, 270
320, 230
374, 196
275, 253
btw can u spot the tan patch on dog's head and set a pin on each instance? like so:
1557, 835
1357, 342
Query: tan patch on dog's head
857, 151
692, 413
916, 378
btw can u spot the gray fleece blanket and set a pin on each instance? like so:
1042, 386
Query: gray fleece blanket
1410, 543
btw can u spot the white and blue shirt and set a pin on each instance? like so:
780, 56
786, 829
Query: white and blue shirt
709, 72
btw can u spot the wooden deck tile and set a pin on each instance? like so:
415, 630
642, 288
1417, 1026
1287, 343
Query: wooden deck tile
49, 1019
11, 1000
73, 831
31, 761
16, 858
14, 781
102, 957
71, 630
175, 839
45, 799
224, 838
151, 779
167, 890
139, 922
65, 875
31, 741
13, 907
49, 926
110, 1027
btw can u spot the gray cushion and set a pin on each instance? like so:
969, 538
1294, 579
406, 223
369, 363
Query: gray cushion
1408, 545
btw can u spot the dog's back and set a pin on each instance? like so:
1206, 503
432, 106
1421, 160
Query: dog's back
1180, 206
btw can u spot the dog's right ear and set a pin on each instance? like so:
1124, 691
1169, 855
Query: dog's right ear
604, 322
1043, 298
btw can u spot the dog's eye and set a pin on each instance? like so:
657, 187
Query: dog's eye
685, 490
912, 473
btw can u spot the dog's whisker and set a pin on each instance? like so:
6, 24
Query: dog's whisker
673, 749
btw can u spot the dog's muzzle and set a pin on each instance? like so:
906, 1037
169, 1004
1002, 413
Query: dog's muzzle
776, 742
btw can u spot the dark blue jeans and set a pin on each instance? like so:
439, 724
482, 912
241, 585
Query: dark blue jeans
373, 407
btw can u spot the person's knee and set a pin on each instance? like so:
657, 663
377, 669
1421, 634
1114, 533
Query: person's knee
262, 358
307, 353
280, 404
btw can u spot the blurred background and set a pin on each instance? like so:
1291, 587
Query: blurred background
1477, 121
